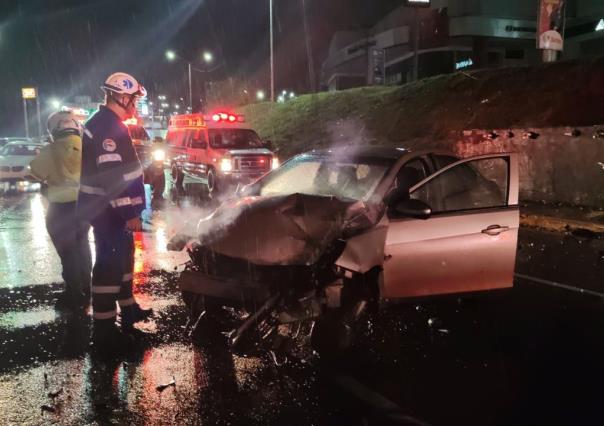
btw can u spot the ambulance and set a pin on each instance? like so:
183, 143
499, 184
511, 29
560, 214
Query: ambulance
215, 153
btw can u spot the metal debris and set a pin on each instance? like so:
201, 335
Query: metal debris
55, 393
163, 387
48, 408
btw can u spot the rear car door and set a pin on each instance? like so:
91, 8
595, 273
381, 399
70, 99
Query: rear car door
469, 241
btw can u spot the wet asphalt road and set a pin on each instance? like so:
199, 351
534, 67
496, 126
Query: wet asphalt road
531, 355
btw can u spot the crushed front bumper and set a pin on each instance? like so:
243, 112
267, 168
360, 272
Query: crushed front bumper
224, 289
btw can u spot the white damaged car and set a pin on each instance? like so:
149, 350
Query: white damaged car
332, 233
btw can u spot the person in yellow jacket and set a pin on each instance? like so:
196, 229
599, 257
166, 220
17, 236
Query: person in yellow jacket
58, 165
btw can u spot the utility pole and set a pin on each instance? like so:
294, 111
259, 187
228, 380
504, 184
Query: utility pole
38, 112
272, 52
190, 89
309, 58
416, 47
25, 118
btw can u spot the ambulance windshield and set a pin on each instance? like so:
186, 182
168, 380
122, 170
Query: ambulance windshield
234, 139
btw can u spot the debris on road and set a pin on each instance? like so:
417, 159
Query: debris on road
163, 387
48, 408
55, 393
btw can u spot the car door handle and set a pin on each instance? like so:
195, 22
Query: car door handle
495, 229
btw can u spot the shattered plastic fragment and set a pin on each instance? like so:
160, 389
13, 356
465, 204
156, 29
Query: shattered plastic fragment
48, 408
55, 394
163, 387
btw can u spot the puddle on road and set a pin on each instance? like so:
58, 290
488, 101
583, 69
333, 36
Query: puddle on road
19, 319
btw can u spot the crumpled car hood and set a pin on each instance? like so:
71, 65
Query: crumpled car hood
282, 230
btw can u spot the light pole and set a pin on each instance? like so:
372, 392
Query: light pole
272, 52
172, 56
208, 58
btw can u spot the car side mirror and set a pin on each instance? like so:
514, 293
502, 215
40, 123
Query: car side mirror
413, 208
268, 145
199, 144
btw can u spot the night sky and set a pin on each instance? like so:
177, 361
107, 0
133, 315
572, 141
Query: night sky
68, 47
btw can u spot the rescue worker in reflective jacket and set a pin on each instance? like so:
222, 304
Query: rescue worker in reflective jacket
112, 198
58, 166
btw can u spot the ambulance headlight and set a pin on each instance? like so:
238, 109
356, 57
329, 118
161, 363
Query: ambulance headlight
159, 155
275, 163
226, 165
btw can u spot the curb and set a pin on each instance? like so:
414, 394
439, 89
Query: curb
559, 224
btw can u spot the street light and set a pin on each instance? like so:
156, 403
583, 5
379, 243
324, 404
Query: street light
208, 57
260, 95
55, 103
170, 55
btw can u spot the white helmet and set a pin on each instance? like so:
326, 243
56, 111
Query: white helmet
63, 123
124, 84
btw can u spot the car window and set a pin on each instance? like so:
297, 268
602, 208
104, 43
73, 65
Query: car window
324, 176
409, 174
176, 138
481, 183
24, 150
442, 161
138, 132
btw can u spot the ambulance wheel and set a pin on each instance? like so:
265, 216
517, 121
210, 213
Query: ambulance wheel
212, 187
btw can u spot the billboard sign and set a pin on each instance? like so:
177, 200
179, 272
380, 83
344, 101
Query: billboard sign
377, 66
417, 3
28, 92
550, 31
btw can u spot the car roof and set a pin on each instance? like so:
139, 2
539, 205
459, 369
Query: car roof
380, 152
26, 143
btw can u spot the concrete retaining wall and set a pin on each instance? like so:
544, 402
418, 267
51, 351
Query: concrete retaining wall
557, 166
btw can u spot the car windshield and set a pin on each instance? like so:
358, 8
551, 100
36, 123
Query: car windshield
139, 132
18, 149
234, 139
326, 176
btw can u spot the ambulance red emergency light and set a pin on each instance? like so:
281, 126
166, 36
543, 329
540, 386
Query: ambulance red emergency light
216, 152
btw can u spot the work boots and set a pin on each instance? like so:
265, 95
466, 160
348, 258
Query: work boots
133, 314
107, 339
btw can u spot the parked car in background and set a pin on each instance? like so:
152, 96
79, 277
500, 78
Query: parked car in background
151, 154
14, 164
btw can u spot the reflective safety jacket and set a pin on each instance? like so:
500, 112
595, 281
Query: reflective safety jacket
111, 183
58, 164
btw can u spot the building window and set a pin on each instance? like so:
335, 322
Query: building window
514, 54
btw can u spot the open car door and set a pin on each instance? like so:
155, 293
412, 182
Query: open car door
468, 243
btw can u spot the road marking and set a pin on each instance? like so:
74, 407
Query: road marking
560, 285
378, 402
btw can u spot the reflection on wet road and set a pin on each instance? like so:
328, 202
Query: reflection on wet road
526, 356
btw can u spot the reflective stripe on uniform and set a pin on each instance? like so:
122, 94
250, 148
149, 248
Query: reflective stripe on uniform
105, 289
121, 202
106, 158
137, 201
126, 302
133, 175
92, 190
104, 315
126, 277
88, 133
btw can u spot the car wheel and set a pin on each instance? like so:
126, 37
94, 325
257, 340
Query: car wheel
212, 187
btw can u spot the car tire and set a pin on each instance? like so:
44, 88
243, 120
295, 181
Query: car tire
212, 186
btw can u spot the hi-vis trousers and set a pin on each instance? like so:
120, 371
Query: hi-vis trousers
112, 271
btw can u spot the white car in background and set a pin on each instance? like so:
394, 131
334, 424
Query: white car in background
14, 163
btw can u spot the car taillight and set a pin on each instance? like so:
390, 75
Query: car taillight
275, 163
